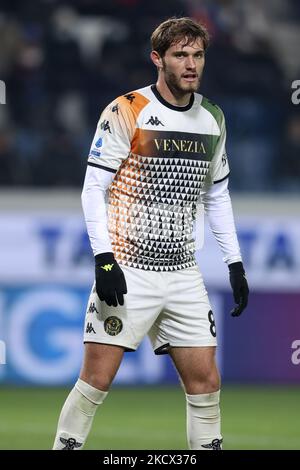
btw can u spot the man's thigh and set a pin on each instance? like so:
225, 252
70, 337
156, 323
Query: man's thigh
197, 368
100, 364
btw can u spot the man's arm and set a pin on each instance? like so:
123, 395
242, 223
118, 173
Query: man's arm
217, 205
110, 280
110, 146
93, 197
218, 208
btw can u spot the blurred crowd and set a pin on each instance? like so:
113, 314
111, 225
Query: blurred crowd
63, 61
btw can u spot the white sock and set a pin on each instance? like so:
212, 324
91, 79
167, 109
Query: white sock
204, 421
77, 415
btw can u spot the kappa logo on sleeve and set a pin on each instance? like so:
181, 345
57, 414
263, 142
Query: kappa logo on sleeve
115, 109
105, 126
130, 97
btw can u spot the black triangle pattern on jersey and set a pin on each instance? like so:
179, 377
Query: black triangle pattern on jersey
152, 205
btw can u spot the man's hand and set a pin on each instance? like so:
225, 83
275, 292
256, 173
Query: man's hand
239, 286
110, 279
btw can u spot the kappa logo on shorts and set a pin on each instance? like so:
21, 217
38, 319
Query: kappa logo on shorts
90, 328
113, 326
92, 308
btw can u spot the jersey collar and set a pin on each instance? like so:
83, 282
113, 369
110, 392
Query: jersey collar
172, 106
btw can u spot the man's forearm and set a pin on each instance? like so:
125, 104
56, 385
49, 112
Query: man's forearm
94, 208
218, 208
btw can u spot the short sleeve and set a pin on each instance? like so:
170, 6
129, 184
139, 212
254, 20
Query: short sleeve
112, 141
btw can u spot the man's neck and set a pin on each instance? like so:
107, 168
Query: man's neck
170, 96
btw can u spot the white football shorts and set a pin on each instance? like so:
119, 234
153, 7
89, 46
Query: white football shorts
171, 307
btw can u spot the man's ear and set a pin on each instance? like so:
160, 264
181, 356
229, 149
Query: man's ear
156, 59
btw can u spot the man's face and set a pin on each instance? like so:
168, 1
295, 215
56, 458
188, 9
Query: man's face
183, 66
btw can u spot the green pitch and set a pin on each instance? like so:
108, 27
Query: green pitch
153, 418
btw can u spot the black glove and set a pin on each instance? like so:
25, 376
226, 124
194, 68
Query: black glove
110, 279
239, 286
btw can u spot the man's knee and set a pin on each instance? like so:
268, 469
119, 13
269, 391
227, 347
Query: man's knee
203, 382
99, 381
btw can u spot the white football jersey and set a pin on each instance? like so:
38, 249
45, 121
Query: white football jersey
163, 157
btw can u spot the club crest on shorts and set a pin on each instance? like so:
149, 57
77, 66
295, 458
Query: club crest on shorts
113, 326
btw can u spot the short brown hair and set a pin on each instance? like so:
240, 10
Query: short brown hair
173, 30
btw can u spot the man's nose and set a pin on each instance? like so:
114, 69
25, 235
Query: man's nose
190, 63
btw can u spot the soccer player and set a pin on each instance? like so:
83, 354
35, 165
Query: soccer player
157, 153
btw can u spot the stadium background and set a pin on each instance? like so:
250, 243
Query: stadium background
62, 62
